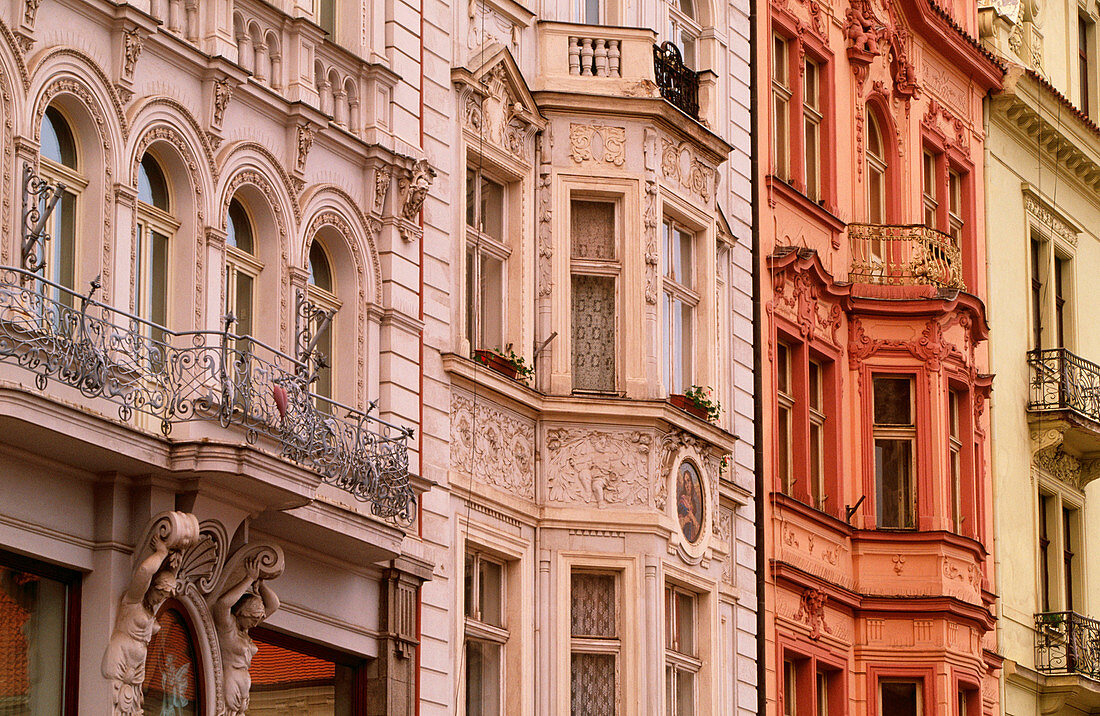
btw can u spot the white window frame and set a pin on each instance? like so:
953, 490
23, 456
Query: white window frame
600, 645
677, 291
609, 268
150, 220
678, 662
481, 245
476, 630
681, 25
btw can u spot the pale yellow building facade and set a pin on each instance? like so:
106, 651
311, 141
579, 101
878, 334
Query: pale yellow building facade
1043, 207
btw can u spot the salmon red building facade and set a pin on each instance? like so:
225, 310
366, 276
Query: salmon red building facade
879, 572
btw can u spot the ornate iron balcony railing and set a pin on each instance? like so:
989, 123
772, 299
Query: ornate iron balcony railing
1067, 643
1061, 380
202, 376
679, 84
904, 256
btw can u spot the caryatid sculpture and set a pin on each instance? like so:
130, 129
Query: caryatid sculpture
155, 578
244, 601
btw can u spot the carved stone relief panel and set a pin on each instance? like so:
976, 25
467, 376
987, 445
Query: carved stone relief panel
599, 467
679, 164
597, 143
489, 25
493, 445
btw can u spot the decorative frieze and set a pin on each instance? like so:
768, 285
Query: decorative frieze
599, 467
597, 143
494, 446
680, 164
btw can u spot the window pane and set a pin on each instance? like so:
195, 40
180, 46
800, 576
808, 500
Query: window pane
284, 677
812, 167
782, 135
63, 238
593, 682
320, 272
892, 401
152, 186
815, 386
472, 298
490, 586
685, 692
592, 227
492, 209
471, 579
894, 485
899, 698
686, 339
172, 668
471, 198
239, 228
158, 274
783, 440
56, 139
782, 368
244, 305
593, 332
822, 694
779, 61
33, 624
816, 456
326, 15
790, 688
492, 302
685, 624
683, 265
876, 192
593, 609
482, 678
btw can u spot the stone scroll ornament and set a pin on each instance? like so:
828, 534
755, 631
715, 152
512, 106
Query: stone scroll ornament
242, 601
155, 578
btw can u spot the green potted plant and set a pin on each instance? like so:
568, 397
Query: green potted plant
698, 401
507, 364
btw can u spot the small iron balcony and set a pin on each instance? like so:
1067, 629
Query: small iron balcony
223, 378
904, 255
1067, 643
1061, 380
678, 83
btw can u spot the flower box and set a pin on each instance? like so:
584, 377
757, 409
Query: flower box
497, 362
684, 403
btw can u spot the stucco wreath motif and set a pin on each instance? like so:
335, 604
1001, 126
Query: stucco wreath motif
598, 467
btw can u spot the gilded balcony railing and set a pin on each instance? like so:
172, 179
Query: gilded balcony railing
211, 376
1067, 643
679, 84
904, 256
1061, 380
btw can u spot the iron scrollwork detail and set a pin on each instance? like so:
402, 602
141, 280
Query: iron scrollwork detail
1067, 642
1061, 380
40, 196
312, 322
213, 376
679, 84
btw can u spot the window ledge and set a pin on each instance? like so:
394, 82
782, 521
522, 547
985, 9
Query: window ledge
804, 202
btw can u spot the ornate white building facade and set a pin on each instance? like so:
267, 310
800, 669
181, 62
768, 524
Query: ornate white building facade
600, 537
265, 271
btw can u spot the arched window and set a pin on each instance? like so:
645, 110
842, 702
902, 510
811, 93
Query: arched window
683, 29
321, 292
155, 226
241, 268
60, 164
876, 190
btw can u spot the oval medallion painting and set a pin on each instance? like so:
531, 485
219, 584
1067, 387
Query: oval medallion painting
689, 502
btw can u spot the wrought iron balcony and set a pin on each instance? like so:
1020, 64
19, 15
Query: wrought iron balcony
1061, 380
211, 376
678, 83
1067, 643
904, 255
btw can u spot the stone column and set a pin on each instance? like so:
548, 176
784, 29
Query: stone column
391, 677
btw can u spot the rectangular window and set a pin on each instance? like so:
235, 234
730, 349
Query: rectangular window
784, 423
486, 635
595, 643
487, 253
955, 205
811, 113
1069, 534
955, 463
816, 395
36, 611
895, 439
680, 301
333, 682
1061, 278
790, 688
900, 698
823, 681
1036, 294
1044, 555
781, 112
682, 663
1084, 36
929, 195
326, 16
587, 12
595, 268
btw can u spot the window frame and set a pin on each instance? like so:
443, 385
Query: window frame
1065, 590
1053, 302
150, 220
801, 48
681, 23
588, 644
73, 581
679, 662
238, 262
475, 629
909, 433
479, 246
75, 185
328, 300
808, 663
604, 268
687, 294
